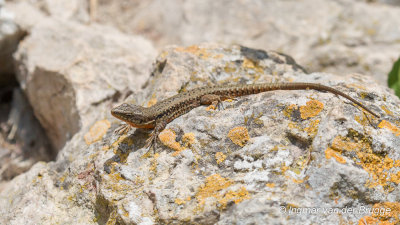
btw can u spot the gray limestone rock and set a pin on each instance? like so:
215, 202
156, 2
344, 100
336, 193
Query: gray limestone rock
341, 37
10, 35
67, 68
282, 157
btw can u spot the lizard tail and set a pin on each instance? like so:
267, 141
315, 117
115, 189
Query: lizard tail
236, 91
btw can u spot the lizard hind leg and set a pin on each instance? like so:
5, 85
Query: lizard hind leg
214, 100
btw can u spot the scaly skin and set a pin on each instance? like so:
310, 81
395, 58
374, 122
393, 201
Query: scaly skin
159, 115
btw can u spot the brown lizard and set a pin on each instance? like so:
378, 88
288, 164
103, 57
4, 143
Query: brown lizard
159, 115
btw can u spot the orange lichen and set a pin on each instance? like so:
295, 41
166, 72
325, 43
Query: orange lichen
168, 138
311, 109
330, 153
152, 101
212, 188
289, 110
294, 125
270, 185
313, 128
210, 107
235, 196
154, 163
97, 131
386, 213
188, 139
385, 124
387, 111
362, 119
220, 157
248, 64
195, 50
298, 181
383, 170
239, 136
356, 86
179, 201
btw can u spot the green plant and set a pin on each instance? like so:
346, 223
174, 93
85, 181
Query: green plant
394, 78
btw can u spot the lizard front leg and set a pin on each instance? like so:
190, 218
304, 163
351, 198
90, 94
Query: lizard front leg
162, 122
151, 142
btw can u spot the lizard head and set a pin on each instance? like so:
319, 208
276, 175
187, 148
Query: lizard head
134, 115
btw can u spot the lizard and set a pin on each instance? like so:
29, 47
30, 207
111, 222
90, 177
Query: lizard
157, 116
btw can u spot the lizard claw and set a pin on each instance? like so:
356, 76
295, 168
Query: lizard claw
124, 128
151, 142
218, 104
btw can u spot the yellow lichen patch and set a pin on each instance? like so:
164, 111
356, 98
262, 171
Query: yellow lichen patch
235, 196
210, 107
363, 120
270, 185
116, 185
384, 108
357, 86
248, 64
386, 213
294, 125
163, 54
195, 50
382, 169
313, 128
154, 163
386, 124
122, 138
239, 136
311, 109
188, 139
289, 110
179, 201
220, 157
298, 181
168, 138
97, 131
230, 68
395, 177
330, 153
152, 101
212, 188
391, 211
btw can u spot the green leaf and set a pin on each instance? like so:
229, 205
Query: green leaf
394, 78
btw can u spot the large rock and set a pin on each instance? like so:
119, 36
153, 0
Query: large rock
10, 35
335, 36
68, 70
264, 158
25, 143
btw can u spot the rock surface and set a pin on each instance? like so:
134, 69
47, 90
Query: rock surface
282, 157
10, 35
342, 37
28, 142
63, 65
265, 157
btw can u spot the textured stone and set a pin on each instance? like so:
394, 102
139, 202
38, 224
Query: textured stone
26, 142
10, 35
334, 159
341, 37
67, 68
